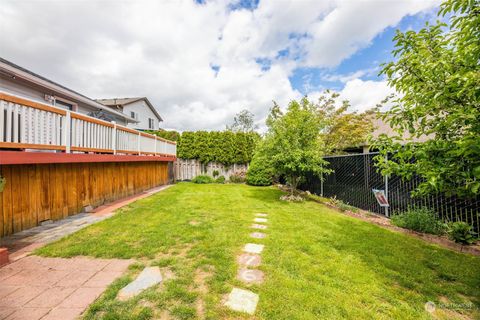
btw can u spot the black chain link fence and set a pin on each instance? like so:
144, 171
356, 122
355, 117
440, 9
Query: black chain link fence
355, 176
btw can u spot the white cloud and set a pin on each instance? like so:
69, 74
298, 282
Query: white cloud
165, 49
364, 95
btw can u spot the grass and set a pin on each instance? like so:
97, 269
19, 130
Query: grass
318, 263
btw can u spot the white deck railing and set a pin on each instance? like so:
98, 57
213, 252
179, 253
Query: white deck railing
25, 124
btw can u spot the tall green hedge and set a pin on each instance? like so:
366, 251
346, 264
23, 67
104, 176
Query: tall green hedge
225, 147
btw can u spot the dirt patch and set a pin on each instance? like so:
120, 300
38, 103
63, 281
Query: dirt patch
194, 223
200, 280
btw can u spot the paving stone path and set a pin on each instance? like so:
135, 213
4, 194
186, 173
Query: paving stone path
147, 278
54, 288
244, 300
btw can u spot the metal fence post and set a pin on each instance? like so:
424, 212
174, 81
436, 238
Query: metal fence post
386, 190
321, 184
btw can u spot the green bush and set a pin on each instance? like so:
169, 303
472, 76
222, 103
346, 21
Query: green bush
237, 178
202, 179
220, 179
260, 172
419, 219
461, 232
215, 173
346, 207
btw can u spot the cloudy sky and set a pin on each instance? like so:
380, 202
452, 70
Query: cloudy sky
200, 62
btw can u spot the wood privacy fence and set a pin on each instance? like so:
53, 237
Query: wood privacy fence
37, 192
187, 169
32, 125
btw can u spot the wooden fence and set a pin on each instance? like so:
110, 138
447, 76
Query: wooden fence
37, 192
187, 169
27, 124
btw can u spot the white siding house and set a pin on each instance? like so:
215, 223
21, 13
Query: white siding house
138, 108
23, 83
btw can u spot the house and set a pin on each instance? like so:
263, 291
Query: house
24, 83
139, 109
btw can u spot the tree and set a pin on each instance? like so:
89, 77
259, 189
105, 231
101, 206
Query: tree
244, 121
342, 129
293, 141
437, 75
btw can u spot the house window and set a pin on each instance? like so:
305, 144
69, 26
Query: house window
134, 115
65, 105
151, 123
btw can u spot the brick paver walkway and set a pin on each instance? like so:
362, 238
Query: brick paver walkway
33, 287
54, 288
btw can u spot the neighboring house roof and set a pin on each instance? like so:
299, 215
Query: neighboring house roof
114, 102
382, 127
28, 75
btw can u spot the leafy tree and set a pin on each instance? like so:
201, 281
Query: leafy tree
293, 141
244, 121
437, 75
342, 129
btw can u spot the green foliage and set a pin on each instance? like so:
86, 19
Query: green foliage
260, 172
166, 134
202, 179
225, 147
293, 142
220, 179
215, 173
237, 178
419, 219
343, 129
461, 232
437, 75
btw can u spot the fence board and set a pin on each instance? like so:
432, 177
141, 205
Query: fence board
34, 193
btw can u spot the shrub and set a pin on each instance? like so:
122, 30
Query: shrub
238, 176
346, 207
202, 179
220, 179
260, 172
419, 219
215, 173
461, 232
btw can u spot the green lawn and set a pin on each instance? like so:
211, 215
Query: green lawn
319, 264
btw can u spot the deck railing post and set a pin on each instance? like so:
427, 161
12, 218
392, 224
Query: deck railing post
138, 142
114, 137
68, 131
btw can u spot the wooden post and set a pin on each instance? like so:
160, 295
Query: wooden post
138, 142
67, 131
155, 152
114, 137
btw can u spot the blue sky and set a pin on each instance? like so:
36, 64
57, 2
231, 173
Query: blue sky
367, 60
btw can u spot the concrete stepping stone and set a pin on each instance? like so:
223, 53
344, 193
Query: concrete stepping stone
263, 220
262, 215
148, 277
258, 226
242, 301
250, 276
249, 260
253, 248
258, 235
